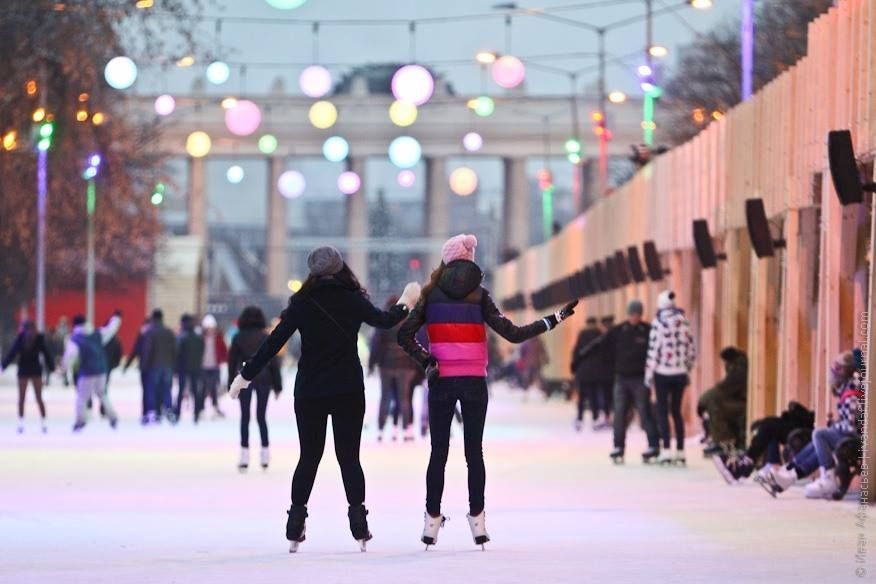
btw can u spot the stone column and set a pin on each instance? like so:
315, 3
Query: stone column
437, 216
357, 224
515, 219
197, 203
277, 273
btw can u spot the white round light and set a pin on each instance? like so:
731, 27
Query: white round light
164, 105
291, 184
413, 84
218, 72
315, 81
349, 183
335, 149
405, 152
472, 141
234, 174
120, 72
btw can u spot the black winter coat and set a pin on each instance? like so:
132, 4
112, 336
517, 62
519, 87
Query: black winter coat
627, 344
245, 343
329, 318
593, 368
29, 356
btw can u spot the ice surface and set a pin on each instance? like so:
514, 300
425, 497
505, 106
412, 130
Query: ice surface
166, 504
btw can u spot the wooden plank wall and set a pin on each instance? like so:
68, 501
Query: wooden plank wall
793, 312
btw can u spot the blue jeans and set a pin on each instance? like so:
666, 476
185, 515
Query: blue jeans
825, 441
158, 385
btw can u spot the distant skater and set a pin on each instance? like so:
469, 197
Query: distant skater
29, 345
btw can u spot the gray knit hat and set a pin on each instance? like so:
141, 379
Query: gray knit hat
635, 307
325, 261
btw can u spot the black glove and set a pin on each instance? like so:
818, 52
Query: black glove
562, 314
118, 312
431, 367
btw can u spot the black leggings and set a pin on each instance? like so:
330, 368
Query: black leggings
472, 394
311, 415
262, 393
670, 389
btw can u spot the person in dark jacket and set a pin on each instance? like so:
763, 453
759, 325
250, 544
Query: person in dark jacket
454, 307
158, 360
587, 373
29, 345
397, 371
250, 336
328, 311
723, 407
628, 345
137, 353
189, 356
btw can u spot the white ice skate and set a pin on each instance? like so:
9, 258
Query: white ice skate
822, 487
409, 434
479, 529
243, 464
431, 525
665, 457
45, 428
779, 480
20, 426
679, 459
265, 457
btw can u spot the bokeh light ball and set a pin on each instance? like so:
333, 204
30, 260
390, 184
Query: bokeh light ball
508, 71
405, 152
315, 81
484, 106
472, 142
335, 149
463, 181
349, 182
268, 144
413, 83
286, 4
323, 115
164, 105
402, 113
406, 178
198, 144
120, 72
218, 72
244, 118
291, 184
234, 174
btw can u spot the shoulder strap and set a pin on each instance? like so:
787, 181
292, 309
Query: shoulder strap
331, 318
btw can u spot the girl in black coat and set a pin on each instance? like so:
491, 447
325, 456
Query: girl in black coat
28, 347
250, 336
328, 311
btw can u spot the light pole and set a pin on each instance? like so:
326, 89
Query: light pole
90, 201
45, 133
747, 48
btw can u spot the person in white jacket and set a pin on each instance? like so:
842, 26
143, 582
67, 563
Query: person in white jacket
85, 347
671, 356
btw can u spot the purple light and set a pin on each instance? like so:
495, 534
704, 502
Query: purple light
472, 141
315, 81
94, 160
349, 183
164, 105
508, 72
413, 84
291, 184
406, 178
645, 71
244, 118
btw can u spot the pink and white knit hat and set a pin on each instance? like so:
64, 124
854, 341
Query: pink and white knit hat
460, 247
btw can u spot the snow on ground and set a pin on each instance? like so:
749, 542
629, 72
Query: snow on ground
166, 504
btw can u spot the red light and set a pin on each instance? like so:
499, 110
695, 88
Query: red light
414, 263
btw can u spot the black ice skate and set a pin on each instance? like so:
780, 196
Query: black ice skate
295, 526
617, 455
650, 455
358, 516
478, 529
431, 525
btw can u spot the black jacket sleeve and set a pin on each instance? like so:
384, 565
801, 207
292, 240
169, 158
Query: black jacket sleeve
276, 376
272, 345
375, 350
507, 329
407, 334
135, 351
234, 359
13, 352
377, 318
47, 355
603, 340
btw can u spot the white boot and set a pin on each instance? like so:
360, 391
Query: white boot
395, 433
43, 424
20, 428
244, 460
665, 457
409, 434
479, 528
783, 478
822, 487
679, 458
431, 525
265, 457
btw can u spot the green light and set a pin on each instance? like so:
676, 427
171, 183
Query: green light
47, 129
573, 146
648, 119
44, 144
159, 188
157, 199
484, 106
92, 197
547, 211
574, 158
268, 144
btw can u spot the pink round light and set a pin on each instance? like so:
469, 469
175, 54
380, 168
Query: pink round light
413, 84
349, 183
315, 81
406, 178
244, 118
508, 71
472, 141
164, 105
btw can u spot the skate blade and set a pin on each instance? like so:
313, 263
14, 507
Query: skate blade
293, 546
363, 545
767, 486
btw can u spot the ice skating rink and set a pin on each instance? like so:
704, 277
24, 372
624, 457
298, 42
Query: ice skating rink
167, 505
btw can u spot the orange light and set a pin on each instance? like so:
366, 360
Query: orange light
141, 4
39, 114
31, 87
599, 130
81, 116
9, 140
97, 119
83, 97
699, 115
59, 7
597, 116
716, 115
485, 57
186, 61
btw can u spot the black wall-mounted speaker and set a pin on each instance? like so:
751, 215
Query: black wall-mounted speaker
622, 268
601, 277
704, 245
844, 168
652, 261
635, 264
759, 229
611, 272
590, 285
